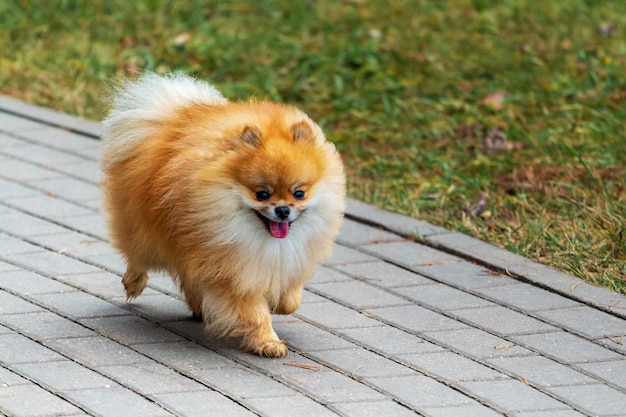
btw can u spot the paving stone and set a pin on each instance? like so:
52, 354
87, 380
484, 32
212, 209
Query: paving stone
78, 305
334, 316
10, 189
64, 375
89, 224
50, 263
26, 282
164, 283
113, 262
150, 378
5, 267
442, 297
130, 330
374, 409
23, 171
15, 348
602, 297
390, 340
96, 351
550, 413
323, 274
416, 318
503, 321
68, 188
354, 234
613, 343
526, 297
194, 330
343, 255
50, 207
384, 274
160, 307
305, 337
31, 400
14, 124
40, 155
186, 357
361, 363
357, 294
202, 404
102, 284
65, 121
119, 402
83, 170
405, 226
293, 363
511, 396
476, 343
409, 254
8, 378
470, 410
612, 371
44, 325
23, 224
72, 243
10, 304
59, 139
329, 387
7, 141
420, 391
297, 405
586, 321
595, 399
451, 367
243, 383
310, 297
566, 348
464, 275
541, 371
10, 246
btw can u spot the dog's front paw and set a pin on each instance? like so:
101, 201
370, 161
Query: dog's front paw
269, 348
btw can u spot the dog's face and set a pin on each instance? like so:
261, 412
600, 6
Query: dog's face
279, 175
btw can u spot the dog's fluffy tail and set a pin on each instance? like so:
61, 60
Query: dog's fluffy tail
139, 105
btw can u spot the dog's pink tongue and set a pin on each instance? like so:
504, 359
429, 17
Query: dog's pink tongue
279, 230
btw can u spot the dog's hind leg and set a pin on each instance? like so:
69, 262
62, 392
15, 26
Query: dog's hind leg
135, 281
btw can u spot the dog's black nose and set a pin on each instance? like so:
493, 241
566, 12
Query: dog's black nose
282, 212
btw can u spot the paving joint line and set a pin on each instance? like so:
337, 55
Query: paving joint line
33, 381
46, 122
16, 135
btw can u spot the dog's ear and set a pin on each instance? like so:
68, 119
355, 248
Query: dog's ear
250, 135
302, 131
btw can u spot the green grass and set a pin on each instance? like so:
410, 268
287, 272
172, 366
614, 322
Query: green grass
399, 86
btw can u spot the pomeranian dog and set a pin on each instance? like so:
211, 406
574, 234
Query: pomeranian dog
237, 201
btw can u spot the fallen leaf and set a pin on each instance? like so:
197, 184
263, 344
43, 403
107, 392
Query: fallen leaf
504, 346
358, 367
524, 381
578, 284
304, 366
453, 261
494, 100
495, 140
617, 339
182, 39
606, 29
480, 207
614, 303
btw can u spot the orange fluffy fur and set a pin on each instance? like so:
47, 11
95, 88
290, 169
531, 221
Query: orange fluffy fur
183, 171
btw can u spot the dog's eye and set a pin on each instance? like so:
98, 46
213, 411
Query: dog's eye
298, 195
262, 195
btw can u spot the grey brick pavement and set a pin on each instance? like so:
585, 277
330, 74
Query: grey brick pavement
406, 319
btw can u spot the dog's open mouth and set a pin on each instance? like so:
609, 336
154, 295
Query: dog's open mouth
279, 230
